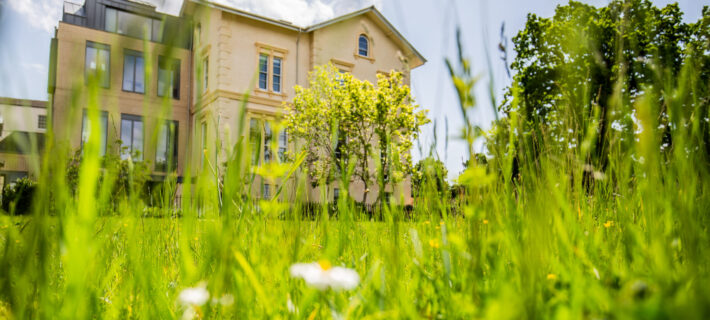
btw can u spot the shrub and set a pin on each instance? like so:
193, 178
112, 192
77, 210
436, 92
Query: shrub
17, 197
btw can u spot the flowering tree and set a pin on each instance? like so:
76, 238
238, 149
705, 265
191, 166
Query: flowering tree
340, 121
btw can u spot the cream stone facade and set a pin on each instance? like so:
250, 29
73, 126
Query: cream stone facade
226, 57
23, 124
232, 41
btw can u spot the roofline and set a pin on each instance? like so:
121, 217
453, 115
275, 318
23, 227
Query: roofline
23, 102
314, 27
249, 15
380, 16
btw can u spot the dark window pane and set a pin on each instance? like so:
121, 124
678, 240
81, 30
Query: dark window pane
156, 34
139, 75
363, 46
103, 64
277, 75
133, 25
129, 67
103, 129
126, 132
110, 24
267, 142
263, 71
169, 77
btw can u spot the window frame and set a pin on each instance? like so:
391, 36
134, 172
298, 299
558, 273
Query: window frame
106, 77
274, 75
205, 73
270, 53
154, 24
171, 164
103, 115
367, 48
133, 119
136, 55
41, 121
264, 72
175, 65
266, 191
203, 142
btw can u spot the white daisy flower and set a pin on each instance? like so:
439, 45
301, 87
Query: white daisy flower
194, 296
321, 275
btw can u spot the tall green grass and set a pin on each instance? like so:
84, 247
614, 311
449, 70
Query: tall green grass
541, 245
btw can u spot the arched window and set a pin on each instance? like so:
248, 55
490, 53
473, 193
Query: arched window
364, 46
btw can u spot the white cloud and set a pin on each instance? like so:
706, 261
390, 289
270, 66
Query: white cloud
44, 14
300, 12
41, 14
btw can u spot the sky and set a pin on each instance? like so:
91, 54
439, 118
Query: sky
26, 27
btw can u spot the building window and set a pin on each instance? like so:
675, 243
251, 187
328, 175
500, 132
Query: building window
166, 150
255, 139
41, 122
132, 25
169, 77
97, 68
363, 46
267, 142
263, 71
131, 137
276, 69
133, 72
203, 147
266, 191
205, 75
283, 145
103, 129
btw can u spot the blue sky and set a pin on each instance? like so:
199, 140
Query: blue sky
26, 27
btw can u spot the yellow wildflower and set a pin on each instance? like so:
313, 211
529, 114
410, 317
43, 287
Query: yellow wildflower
608, 224
434, 243
551, 276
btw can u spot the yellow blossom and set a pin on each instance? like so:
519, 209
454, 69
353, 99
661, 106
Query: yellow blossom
434, 243
608, 224
485, 221
551, 276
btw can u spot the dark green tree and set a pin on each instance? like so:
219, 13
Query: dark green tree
579, 73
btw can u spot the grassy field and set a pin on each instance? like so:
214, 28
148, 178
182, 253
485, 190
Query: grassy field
533, 236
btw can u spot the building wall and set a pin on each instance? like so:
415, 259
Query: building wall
20, 116
233, 44
71, 95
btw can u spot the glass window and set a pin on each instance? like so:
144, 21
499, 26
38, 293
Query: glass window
266, 191
131, 137
97, 63
166, 149
283, 145
205, 75
103, 129
134, 25
133, 72
110, 20
277, 75
169, 77
156, 35
363, 46
41, 122
267, 142
254, 139
203, 137
263, 71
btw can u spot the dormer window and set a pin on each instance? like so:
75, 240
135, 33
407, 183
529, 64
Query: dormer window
364, 46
